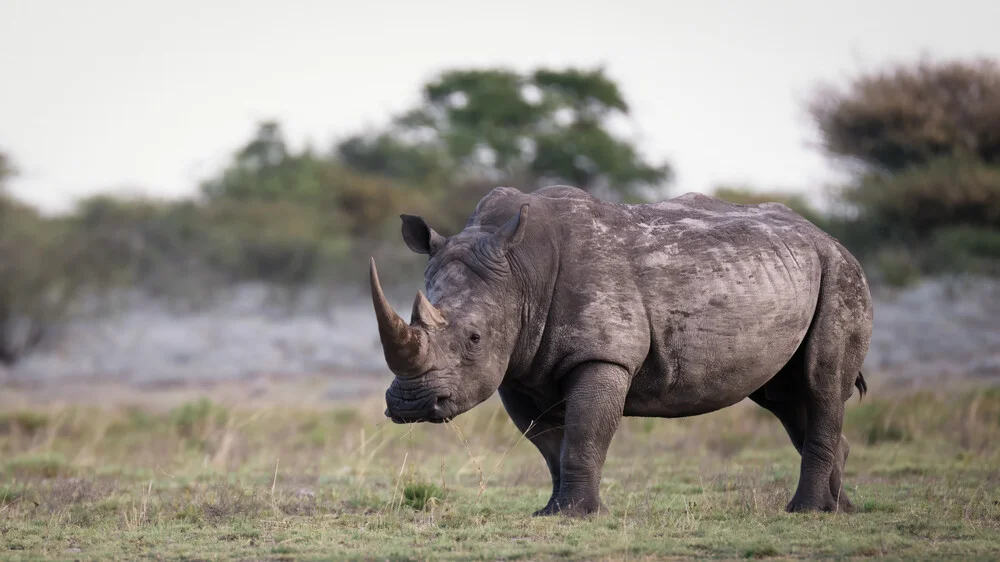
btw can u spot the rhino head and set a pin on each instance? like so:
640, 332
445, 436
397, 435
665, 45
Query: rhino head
454, 352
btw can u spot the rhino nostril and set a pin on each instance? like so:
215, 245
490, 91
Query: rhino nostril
439, 401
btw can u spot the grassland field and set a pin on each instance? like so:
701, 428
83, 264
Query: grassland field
204, 475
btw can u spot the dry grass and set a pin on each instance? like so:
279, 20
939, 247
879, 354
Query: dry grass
202, 480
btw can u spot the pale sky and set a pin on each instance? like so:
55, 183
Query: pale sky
151, 97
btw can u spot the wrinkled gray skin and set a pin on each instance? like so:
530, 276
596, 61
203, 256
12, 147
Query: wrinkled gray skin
580, 311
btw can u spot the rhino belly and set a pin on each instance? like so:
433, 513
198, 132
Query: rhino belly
714, 347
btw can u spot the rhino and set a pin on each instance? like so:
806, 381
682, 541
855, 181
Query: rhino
580, 311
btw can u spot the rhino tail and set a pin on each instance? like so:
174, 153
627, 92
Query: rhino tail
862, 385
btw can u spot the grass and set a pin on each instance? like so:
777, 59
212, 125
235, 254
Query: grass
208, 481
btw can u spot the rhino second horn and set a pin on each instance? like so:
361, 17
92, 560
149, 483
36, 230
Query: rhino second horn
401, 343
426, 314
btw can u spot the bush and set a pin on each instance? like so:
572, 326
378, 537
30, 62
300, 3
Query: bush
159, 245
947, 192
278, 242
38, 278
420, 496
896, 267
924, 141
909, 115
966, 249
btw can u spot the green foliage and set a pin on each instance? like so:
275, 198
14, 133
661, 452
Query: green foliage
422, 495
544, 127
276, 241
896, 266
39, 277
350, 203
273, 215
968, 249
924, 142
264, 169
162, 245
910, 115
946, 192
384, 154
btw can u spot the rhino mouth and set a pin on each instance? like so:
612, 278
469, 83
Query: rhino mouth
430, 405
401, 420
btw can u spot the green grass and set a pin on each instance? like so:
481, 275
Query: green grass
205, 481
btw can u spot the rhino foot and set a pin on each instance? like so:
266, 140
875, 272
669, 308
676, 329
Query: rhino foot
799, 505
572, 508
548, 509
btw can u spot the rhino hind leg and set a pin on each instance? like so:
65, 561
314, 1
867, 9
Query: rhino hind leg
792, 414
809, 393
545, 431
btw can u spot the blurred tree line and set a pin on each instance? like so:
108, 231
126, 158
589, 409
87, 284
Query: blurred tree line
921, 142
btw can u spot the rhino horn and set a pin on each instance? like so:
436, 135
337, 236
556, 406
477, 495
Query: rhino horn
403, 345
426, 314
511, 233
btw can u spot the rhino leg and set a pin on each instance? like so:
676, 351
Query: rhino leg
595, 400
543, 428
832, 354
792, 415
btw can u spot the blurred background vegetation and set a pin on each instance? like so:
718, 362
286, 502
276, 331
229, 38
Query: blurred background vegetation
920, 145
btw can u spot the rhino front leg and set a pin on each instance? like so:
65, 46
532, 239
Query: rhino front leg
544, 428
595, 399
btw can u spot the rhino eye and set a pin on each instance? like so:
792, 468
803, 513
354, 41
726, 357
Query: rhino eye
474, 338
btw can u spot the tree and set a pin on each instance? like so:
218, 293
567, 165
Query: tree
905, 116
497, 124
384, 154
355, 203
947, 192
264, 168
37, 275
924, 143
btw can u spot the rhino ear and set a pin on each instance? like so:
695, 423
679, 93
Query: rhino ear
511, 233
419, 237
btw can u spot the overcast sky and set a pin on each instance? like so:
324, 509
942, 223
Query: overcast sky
148, 96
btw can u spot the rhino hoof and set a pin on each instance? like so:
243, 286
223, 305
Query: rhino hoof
544, 512
579, 508
798, 506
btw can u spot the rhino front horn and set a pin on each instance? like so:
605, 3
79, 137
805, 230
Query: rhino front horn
402, 344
